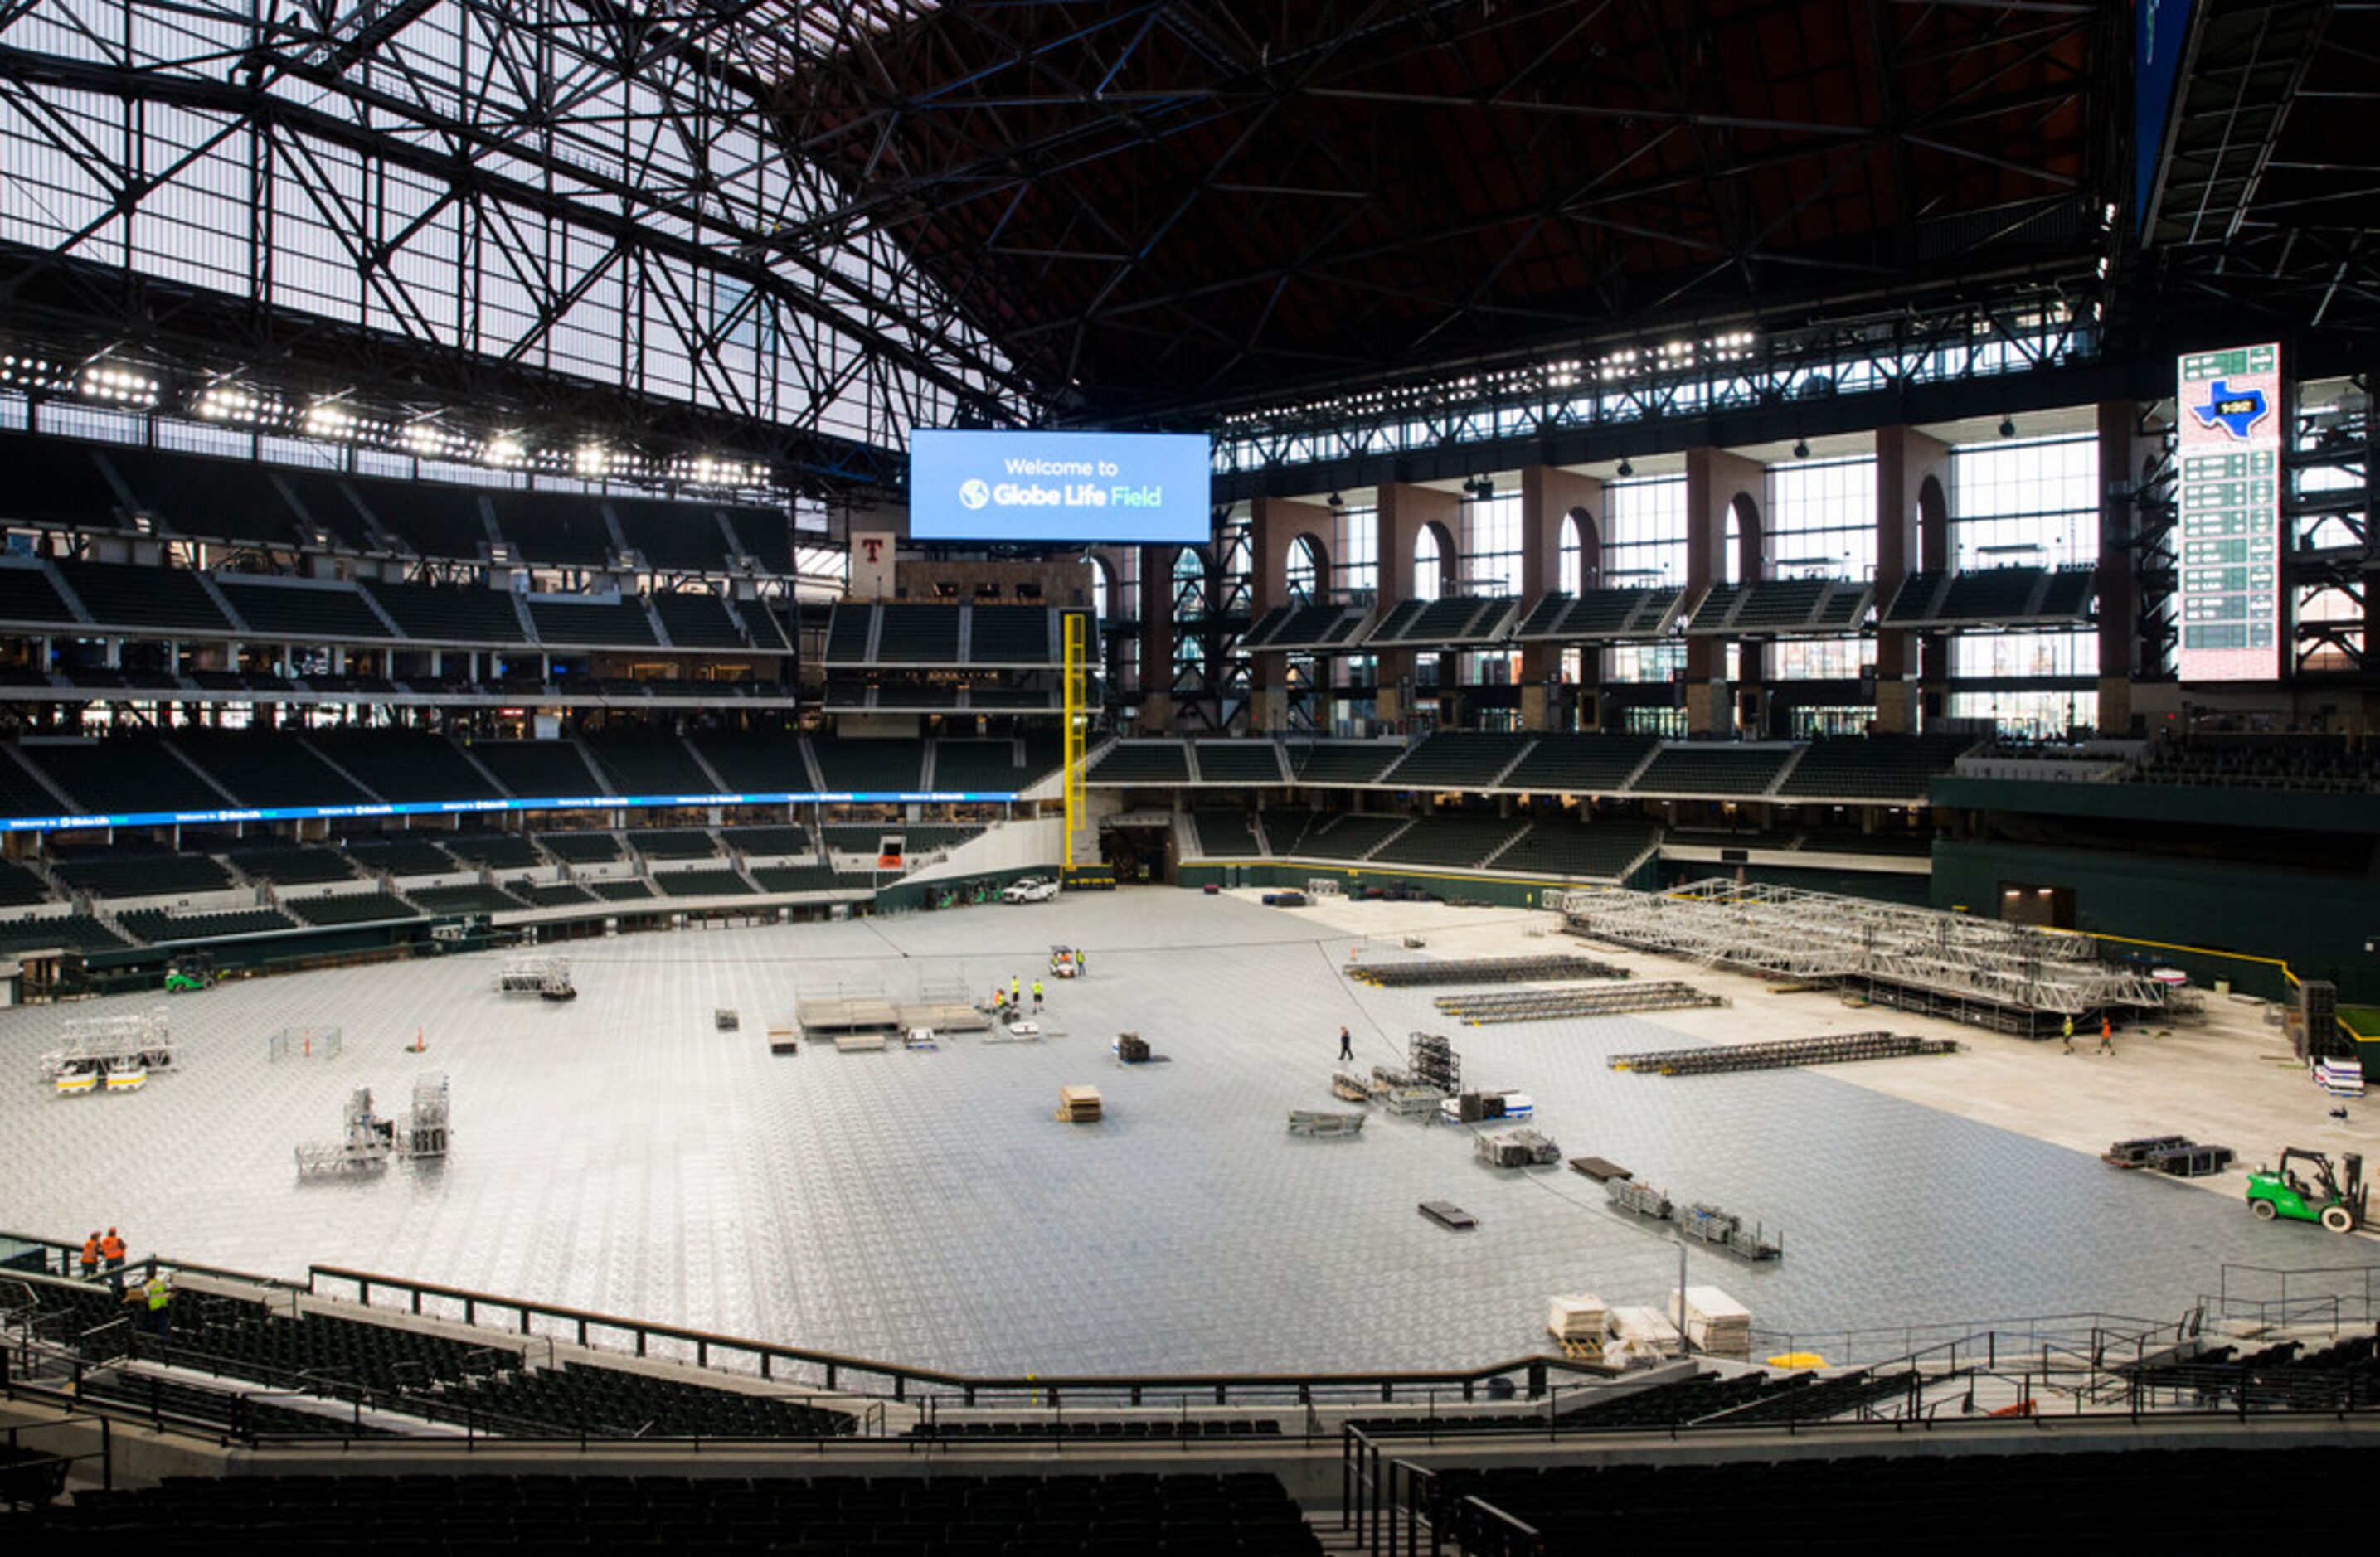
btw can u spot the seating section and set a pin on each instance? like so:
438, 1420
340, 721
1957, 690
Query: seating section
853, 837
1602, 849
697, 619
1914, 601
1993, 594
911, 634
621, 889
672, 843
1141, 762
434, 521
1711, 614
20, 887
351, 908
581, 847
765, 764
985, 767
1239, 762
1450, 839
680, 536
1580, 765
125, 776
2271, 762
649, 766
292, 865
2070, 592
798, 878
592, 621
867, 767
1350, 837
847, 633
554, 527
405, 765
1881, 768
1713, 768
765, 841
158, 928
1779, 603
537, 770
1452, 619
1349, 762
1225, 835
1284, 828
263, 768
133, 871
448, 614
1148, 1514
120, 594
497, 851
1011, 635
552, 894
2146, 1499
1457, 760
461, 899
1306, 627
700, 884
27, 595
75, 932
399, 854
311, 612
57, 482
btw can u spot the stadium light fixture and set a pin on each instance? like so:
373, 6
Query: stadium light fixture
1800, 448
2008, 427
113, 383
1626, 469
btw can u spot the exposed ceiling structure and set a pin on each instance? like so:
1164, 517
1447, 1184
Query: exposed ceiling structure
1175, 207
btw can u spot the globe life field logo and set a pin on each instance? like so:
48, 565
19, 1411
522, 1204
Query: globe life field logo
974, 493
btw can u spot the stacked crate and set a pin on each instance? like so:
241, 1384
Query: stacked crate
1078, 1106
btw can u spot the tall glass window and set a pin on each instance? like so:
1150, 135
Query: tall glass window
1427, 579
1644, 548
2030, 502
1356, 548
1821, 518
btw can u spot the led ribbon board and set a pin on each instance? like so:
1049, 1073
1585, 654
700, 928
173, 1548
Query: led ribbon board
475, 807
2230, 451
1077, 488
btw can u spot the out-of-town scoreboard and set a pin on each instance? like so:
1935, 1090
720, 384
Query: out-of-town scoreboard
2233, 624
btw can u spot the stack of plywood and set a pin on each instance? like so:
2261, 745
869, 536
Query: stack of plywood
1640, 1335
1578, 1318
1078, 1106
1715, 1322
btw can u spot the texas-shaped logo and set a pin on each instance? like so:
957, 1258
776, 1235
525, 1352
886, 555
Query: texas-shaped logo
2235, 411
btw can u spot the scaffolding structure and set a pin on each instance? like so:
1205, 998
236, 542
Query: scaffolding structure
1834, 1048
109, 1054
1543, 968
2014, 977
423, 1131
1572, 1000
548, 977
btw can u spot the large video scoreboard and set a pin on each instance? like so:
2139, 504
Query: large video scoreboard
2233, 625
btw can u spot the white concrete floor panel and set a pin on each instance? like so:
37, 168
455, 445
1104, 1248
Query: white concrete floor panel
621, 1154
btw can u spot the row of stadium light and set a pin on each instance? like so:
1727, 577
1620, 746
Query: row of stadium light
1551, 378
229, 403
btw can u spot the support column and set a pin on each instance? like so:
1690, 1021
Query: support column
1157, 639
1551, 499
1275, 525
1403, 510
1934, 556
2119, 584
1907, 461
1714, 478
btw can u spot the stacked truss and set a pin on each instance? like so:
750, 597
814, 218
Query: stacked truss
1482, 970
1977, 970
1572, 1000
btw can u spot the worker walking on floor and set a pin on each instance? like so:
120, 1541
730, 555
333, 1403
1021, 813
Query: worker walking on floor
2106, 1034
1037, 996
1346, 1044
91, 1256
2069, 1035
1015, 991
111, 1251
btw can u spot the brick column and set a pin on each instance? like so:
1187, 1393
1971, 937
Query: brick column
2120, 639
1403, 510
1157, 639
1549, 496
1714, 476
1905, 460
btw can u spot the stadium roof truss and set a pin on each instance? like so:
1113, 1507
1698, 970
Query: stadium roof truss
568, 206
1799, 935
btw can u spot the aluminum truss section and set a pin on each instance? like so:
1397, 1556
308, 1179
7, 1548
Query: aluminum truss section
1482, 970
1976, 969
1587, 1001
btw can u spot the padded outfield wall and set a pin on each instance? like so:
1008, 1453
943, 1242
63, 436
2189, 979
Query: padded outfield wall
2221, 883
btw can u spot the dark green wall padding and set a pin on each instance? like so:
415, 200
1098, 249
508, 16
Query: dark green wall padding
2262, 919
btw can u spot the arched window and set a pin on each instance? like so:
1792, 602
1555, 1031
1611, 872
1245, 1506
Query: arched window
1570, 561
1101, 585
1428, 570
1307, 575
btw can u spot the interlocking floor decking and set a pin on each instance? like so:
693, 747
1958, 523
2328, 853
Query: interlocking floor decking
621, 1154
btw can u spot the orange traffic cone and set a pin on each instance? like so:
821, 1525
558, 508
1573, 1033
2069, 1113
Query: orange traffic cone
419, 1047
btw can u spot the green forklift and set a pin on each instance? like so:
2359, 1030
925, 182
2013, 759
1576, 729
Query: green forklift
2333, 1199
